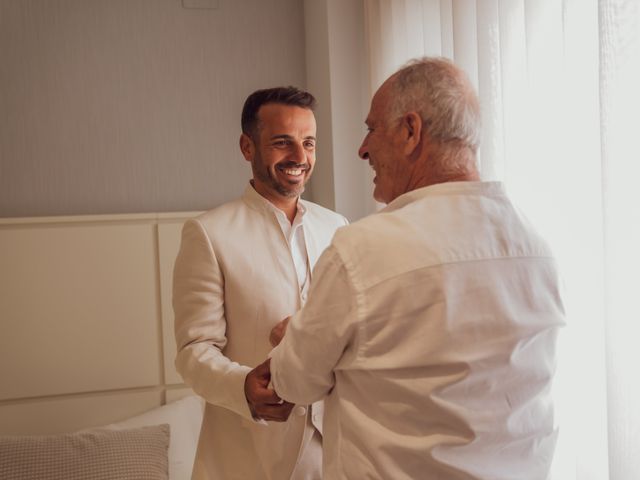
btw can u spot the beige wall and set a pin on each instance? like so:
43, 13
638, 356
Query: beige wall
116, 106
337, 73
86, 324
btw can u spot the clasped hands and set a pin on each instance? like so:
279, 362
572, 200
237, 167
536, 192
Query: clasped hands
263, 401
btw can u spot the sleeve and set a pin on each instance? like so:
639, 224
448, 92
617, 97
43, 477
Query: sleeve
319, 337
200, 324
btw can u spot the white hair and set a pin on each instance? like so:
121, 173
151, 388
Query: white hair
444, 98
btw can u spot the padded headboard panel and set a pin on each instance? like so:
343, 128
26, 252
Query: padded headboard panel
86, 324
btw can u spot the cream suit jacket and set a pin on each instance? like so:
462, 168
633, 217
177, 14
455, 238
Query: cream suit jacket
234, 279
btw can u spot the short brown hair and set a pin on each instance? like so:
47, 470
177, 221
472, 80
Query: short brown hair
283, 95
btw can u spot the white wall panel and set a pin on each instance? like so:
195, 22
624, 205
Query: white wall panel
177, 393
86, 324
62, 415
78, 309
168, 244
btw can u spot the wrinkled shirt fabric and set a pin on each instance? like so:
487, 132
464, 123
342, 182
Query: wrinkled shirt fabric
431, 329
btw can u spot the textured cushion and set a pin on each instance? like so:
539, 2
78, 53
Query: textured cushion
185, 418
139, 454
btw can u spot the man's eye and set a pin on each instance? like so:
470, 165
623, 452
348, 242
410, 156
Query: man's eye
309, 145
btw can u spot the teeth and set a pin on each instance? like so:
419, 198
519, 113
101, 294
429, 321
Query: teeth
293, 171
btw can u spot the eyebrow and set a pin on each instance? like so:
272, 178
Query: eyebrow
289, 137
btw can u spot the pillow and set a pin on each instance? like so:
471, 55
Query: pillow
139, 453
184, 417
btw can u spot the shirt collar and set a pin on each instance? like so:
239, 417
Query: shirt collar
257, 201
448, 188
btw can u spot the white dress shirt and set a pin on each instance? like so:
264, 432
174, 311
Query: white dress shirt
431, 326
294, 234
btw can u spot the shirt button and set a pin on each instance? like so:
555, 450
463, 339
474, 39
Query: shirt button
316, 417
299, 410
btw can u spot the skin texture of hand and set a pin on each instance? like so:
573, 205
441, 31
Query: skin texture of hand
262, 400
277, 332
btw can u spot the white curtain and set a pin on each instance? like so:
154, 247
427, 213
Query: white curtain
559, 84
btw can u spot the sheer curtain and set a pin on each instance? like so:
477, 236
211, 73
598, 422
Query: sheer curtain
558, 82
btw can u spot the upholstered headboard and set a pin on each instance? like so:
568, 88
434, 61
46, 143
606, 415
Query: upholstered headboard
86, 324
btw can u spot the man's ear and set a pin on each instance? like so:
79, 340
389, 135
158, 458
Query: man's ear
412, 131
247, 147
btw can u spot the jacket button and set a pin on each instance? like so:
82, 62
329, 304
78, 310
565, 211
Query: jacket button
299, 410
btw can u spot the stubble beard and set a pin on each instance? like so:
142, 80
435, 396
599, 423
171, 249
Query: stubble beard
268, 178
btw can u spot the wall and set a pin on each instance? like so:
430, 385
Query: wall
337, 73
117, 106
86, 324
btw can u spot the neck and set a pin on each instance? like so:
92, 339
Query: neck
442, 164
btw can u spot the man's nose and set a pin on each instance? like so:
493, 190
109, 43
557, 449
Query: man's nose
298, 154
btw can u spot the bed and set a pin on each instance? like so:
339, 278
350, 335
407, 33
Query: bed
157, 445
87, 383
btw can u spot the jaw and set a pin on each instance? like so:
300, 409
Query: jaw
287, 183
377, 196
383, 192
377, 193
376, 185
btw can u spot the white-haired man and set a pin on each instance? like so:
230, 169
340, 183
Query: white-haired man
430, 326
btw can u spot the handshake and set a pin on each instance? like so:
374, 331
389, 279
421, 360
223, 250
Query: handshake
263, 401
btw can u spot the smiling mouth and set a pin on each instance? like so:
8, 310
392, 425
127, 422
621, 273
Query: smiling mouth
294, 170
375, 174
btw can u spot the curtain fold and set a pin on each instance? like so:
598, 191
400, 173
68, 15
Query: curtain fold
620, 103
558, 82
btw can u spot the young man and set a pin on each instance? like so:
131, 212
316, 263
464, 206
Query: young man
241, 268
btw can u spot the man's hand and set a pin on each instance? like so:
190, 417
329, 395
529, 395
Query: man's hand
277, 332
262, 400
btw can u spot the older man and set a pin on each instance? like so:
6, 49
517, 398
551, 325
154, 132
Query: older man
431, 325
241, 268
